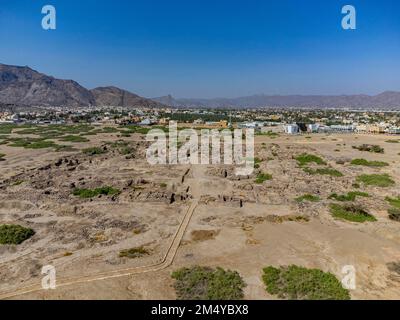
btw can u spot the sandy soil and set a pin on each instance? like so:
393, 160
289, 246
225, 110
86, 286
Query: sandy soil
234, 222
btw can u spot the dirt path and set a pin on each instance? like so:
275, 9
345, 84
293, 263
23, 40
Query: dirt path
195, 185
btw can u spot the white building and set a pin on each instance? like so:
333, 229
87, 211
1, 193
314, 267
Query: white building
313, 127
291, 128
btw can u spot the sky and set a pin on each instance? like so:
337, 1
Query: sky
205, 49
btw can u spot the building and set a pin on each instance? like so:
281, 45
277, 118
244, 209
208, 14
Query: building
291, 129
394, 130
198, 121
313, 127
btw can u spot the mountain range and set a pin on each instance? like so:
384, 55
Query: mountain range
386, 100
27, 87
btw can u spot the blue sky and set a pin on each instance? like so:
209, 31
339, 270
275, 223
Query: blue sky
202, 48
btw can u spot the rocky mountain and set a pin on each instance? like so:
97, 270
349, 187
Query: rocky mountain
27, 87
24, 86
113, 96
385, 100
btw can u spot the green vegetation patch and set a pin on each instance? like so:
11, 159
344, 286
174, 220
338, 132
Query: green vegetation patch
305, 158
31, 143
392, 141
134, 253
7, 128
350, 196
93, 151
90, 193
270, 134
351, 213
394, 214
379, 180
308, 197
370, 148
299, 283
64, 148
204, 283
395, 202
324, 171
74, 139
364, 162
137, 129
14, 234
263, 177
2, 155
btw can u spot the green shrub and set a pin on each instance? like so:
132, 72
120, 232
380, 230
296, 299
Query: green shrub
394, 214
203, 283
126, 150
110, 130
364, 162
14, 234
89, 193
392, 141
263, 177
324, 171
268, 134
2, 155
134, 253
64, 148
298, 283
370, 148
31, 143
350, 196
305, 158
93, 151
351, 213
307, 197
395, 202
7, 128
75, 139
379, 180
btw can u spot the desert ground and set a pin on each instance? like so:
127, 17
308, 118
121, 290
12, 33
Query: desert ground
185, 215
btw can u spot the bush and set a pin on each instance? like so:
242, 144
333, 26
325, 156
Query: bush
14, 234
2, 155
298, 283
93, 151
351, 213
379, 180
395, 202
305, 158
88, 193
268, 134
31, 143
263, 177
394, 214
307, 197
370, 148
364, 162
324, 171
203, 283
350, 196
72, 138
134, 253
